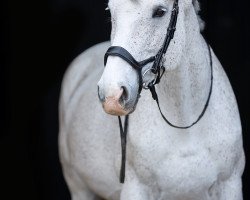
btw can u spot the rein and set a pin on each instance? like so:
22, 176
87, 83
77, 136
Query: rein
155, 97
158, 69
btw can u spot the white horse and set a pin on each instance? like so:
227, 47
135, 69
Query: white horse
204, 162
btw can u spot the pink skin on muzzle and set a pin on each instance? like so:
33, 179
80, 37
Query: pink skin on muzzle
112, 105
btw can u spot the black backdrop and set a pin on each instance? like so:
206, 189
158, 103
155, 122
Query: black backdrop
38, 41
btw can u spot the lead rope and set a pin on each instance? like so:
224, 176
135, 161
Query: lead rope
123, 134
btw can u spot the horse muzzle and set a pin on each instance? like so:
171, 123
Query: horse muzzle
117, 104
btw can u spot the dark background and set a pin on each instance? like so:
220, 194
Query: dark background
38, 40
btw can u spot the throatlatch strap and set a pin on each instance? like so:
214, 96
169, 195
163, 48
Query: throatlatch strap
123, 133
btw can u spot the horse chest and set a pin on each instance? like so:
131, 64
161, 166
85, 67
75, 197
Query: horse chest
173, 165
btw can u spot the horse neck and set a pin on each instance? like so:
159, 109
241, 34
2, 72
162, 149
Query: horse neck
183, 92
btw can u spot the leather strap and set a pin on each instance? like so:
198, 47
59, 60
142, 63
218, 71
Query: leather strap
123, 135
125, 55
155, 97
122, 53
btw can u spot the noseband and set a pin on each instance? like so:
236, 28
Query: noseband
158, 69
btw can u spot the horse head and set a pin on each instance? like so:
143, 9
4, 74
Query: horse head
140, 27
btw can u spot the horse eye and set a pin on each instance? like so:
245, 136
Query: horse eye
159, 12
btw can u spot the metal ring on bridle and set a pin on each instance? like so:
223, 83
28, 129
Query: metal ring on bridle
153, 82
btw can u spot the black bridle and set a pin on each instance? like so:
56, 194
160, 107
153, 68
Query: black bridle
158, 69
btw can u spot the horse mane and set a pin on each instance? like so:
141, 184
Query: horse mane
197, 9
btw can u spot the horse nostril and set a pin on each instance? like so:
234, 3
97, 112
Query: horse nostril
124, 96
100, 95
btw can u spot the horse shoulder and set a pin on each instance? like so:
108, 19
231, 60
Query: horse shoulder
225, 141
